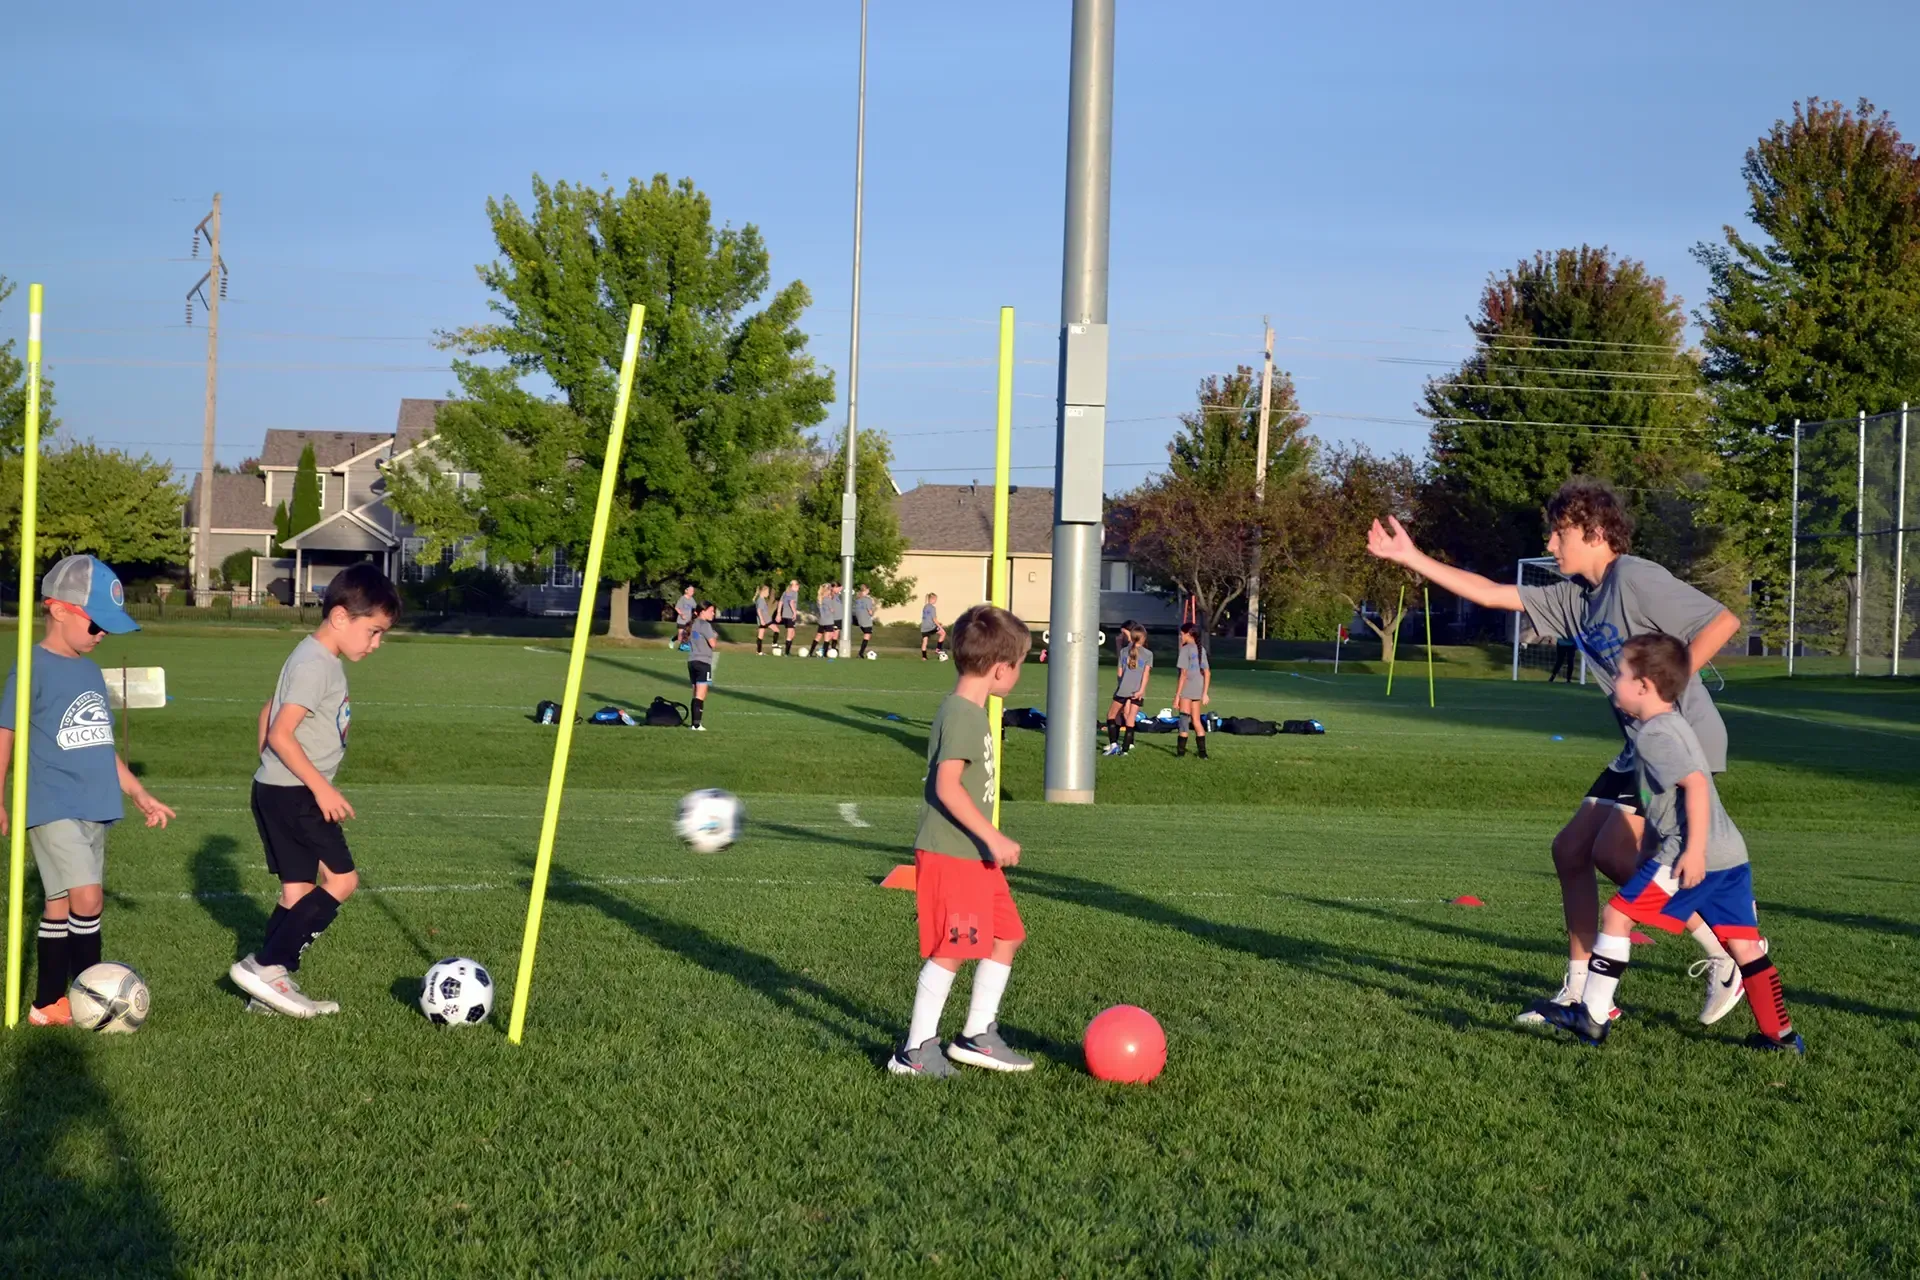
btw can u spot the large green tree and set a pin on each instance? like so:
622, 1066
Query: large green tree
98, 502
1579, 366
304, 511
813, 551
1813, 315
724, 390
13, 391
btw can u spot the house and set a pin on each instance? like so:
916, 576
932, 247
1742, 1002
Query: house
948, 529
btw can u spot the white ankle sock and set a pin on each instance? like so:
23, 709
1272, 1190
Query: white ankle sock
929, 1000
989, 984
1575, 984
1703, 934
1598, 997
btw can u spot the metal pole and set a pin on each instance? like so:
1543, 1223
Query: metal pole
1900, 544
1519, 580
203, 537
1860, 545
1793, 555
849, 506
1080, 455
1259, 499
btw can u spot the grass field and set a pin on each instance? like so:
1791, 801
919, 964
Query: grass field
701, 1092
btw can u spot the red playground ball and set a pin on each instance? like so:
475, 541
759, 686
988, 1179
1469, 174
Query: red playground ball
1125, 1045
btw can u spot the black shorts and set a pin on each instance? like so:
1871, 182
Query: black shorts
1616, 788
784, 622
934, 632
866, 633
1127, 700
700, 672
297, 836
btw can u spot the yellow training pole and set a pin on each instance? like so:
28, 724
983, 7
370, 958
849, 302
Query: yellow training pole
1002, 465
23, 681
1395, 651
1426, 613
576, 667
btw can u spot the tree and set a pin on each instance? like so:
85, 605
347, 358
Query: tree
282, 527
13, 393
1816, 318
1220, 438
720, 398
1322, 547
1579, 367
813, 551
98, 502
304, 513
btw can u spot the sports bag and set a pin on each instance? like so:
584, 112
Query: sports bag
1303, 726
611, 715
548, 712
1248, 725
1024, 718
663, 713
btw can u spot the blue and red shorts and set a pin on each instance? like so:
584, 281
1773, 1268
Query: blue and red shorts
1724, 900
964, 905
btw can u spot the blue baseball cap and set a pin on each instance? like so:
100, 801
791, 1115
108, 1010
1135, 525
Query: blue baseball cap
90, 586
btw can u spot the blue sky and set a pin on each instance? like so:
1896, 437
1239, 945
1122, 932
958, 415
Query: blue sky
1353, 171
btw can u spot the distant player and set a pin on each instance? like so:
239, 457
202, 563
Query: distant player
1697, 861
787, 616
762, 619
296, 807
700, 655
965, 910
75, 777
1609, 598
1136, 666
1194, 691
821, 628
683, 610
930, 628
833, 611
863, 615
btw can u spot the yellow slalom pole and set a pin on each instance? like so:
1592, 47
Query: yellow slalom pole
576, 667
1426, 613
23, 680
1002, 465
1395, 651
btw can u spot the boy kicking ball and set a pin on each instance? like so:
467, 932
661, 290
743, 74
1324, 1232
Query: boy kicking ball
1698, 863
965, 910
298, 810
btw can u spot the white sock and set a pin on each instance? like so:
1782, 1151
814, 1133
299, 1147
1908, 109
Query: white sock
989, 984
1703, 934
929, 1000
1611, 954
1575, 985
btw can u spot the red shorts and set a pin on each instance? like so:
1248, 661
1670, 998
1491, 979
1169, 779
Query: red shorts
964, 906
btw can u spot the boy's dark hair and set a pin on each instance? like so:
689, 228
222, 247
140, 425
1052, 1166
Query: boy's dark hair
1591, 505
361, 589
987, 634
1661, 659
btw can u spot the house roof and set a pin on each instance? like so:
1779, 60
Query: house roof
342, 531
959, 517
330, 448
416, 423
239, 502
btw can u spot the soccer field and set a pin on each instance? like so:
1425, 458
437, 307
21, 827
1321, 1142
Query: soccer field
701, 1089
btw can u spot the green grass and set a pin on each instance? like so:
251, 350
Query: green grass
701, 1093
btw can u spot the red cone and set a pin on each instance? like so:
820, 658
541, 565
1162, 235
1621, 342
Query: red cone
1467, 900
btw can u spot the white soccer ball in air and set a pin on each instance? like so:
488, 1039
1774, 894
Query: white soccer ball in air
710, 819
109, 998
457, 992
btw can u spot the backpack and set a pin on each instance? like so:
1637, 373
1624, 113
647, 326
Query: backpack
548, 712
1024, 718
665, 714
1248, 725
1303, 726
611, 715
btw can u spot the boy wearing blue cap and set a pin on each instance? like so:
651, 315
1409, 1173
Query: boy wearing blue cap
75, 778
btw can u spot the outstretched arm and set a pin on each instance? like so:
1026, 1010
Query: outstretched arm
1393, 543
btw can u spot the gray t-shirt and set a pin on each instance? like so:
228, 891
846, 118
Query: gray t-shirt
960, 732
72, 771
1193, 665
863, 611
789, 604
1636, 597
1133, 671
701, 637
929, 618
683, 610
1669, 750
830, 610
762, 610
316, 679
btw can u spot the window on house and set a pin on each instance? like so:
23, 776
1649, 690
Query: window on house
416, 565
560, 573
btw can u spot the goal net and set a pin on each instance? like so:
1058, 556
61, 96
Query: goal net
1538, 654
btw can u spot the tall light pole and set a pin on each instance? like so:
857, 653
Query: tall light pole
210, 288
848, 504
1079, 489
1260, 498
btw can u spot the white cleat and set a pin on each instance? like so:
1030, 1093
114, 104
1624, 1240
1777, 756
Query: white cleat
1724, 986
272, 986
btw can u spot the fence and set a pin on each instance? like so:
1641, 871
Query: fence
1530, 652
1851, 608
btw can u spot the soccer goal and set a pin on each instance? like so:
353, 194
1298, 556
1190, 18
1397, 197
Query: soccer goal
1530, 651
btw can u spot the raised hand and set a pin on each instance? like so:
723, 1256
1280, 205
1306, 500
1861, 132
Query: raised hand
1391, 542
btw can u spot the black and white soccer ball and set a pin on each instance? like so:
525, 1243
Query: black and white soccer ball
457, 992
109, 998
710, 819
872, 656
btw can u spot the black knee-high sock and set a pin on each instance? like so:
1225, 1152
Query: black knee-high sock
1180, 747
83, 943
1113, 732
51, 955
300, 927
760, 643
699, 707
1201, 746
1129, 738
275, 919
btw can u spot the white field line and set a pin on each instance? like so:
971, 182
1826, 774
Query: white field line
851, 813
1824, 724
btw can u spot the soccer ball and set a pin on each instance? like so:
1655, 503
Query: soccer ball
872, 656
710, 819
457, 992
832, 654
807, 651
109, 998
943, 655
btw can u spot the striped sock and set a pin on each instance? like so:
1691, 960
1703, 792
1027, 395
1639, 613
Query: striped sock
51, 955
83, 942
1768, 1001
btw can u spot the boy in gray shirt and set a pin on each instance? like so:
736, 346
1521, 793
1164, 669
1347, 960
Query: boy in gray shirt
296, 807
1697, 863
700, 655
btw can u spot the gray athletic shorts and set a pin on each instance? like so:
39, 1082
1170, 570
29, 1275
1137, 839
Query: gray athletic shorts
69, 852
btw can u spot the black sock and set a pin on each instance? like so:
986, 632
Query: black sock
699, 705
1180, 747
274, 919
51, 954
302, 925
1129, 743
759, 644
1113, 732
1201, 746
83, 942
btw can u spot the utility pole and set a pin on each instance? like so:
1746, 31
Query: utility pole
210, 288
1079, 489
1260, 499
849, 506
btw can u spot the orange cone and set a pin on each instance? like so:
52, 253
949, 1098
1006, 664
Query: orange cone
1467, 900
901, 877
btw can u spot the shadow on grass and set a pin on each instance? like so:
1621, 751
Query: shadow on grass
898, 731
400, 924
1847, 919
793, 993
827, 835
1503, 941
217, 888
74, 1200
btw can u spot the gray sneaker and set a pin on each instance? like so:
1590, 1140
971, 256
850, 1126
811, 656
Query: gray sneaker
921, 1060
987, 1050
270, 985
319, 1006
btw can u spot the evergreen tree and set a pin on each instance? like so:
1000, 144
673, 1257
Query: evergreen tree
304, 513
282, 527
